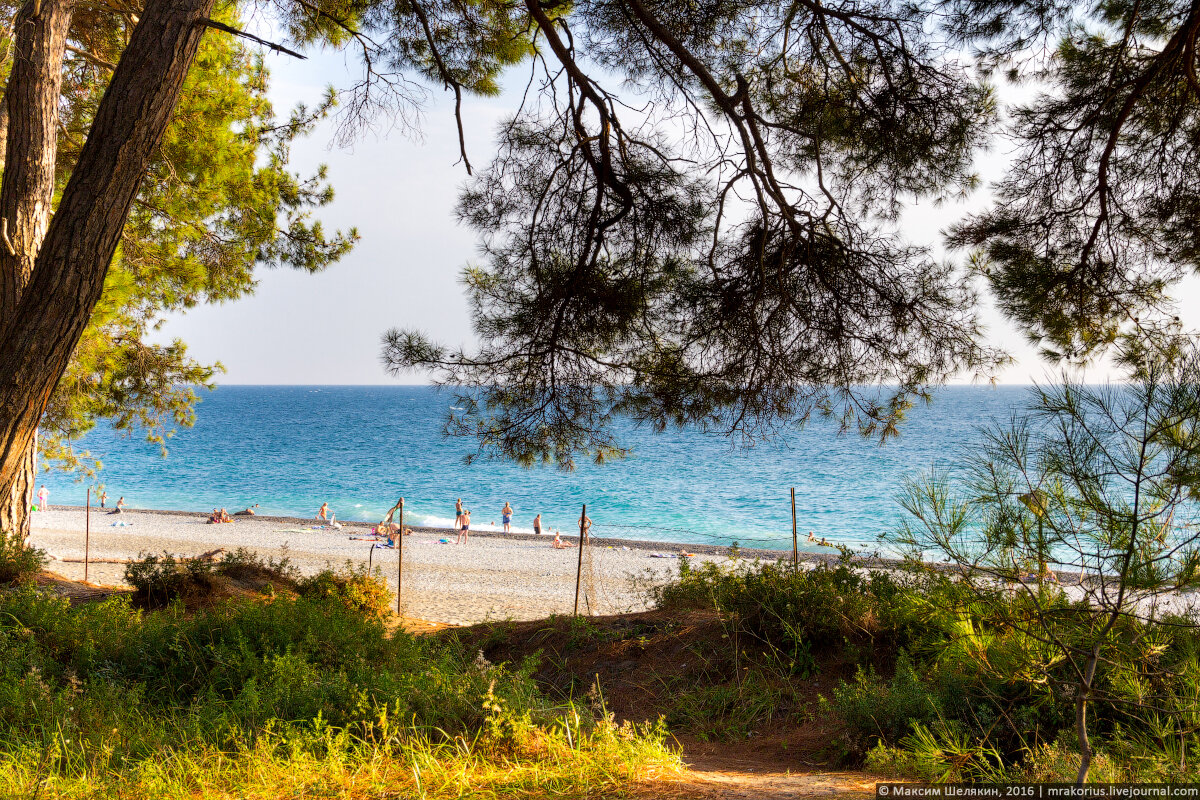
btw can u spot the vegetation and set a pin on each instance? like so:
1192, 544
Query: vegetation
697, 218
18, 562
930, 681
1094, 484
161, 580
283, 696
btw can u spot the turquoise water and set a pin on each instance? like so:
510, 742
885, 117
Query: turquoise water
291, 448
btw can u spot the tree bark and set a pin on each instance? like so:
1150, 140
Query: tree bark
30, 122
1083, 694
37, 340
31, 144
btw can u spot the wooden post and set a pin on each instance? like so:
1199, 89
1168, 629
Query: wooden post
399, 556
579, 568
87, 533
795, 545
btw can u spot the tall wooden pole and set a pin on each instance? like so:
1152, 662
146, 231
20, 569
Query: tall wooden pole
579, 568
399, 556
795, 544
87, 533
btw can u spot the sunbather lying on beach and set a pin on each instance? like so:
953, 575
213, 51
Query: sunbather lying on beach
559, 544
247, 512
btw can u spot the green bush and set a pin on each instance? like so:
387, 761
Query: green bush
18, 562
353, 586
158, 580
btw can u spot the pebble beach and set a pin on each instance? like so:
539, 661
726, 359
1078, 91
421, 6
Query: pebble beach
493, 577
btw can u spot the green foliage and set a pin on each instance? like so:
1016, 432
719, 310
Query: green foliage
945, 685
886, 710
19, 562
799, 610
258, 699
724, 712
218, 201
1096, 483
353, 587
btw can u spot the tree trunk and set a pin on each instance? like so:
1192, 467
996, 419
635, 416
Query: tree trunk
36, 342
16, 502
1083, 693
1085, 746
31, 144
30, 127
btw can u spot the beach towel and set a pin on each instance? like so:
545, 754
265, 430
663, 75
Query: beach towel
121, 524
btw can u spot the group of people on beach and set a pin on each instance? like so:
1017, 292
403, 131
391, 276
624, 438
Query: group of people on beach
43, 504
462, 524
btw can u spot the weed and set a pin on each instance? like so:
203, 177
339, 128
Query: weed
19, 563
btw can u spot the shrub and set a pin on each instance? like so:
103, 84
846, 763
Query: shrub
158, 580
19, 563
353, 587
288, 697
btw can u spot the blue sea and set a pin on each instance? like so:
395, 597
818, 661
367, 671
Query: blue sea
359, 448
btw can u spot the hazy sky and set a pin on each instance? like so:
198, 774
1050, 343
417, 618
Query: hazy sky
400, 193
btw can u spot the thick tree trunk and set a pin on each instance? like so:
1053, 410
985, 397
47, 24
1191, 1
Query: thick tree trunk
16, 502
30, 123
31, 144
37, 341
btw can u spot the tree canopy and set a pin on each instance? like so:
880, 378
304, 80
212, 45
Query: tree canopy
695, 217
218, 201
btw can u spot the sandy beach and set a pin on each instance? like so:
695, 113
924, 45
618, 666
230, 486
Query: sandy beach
493, 577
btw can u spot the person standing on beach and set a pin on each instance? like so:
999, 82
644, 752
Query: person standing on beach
585, 525
458, 512
323, 514
103, 498
506, 517
537, 525
465, 526
44, 498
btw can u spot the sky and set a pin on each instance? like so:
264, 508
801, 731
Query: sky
400, 192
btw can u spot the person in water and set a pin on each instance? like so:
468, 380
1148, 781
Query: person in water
323, 514
506, 517
458, 512
103, 498
465, 526
537, 525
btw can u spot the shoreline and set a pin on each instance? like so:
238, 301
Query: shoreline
495, 576
636, 544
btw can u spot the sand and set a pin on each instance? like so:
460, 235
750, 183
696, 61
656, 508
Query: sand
492, 577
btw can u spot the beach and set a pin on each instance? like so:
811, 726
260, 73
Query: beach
493, 577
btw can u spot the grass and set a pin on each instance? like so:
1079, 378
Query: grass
939, 686
284, 696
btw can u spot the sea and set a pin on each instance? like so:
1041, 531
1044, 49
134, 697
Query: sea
360, 448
